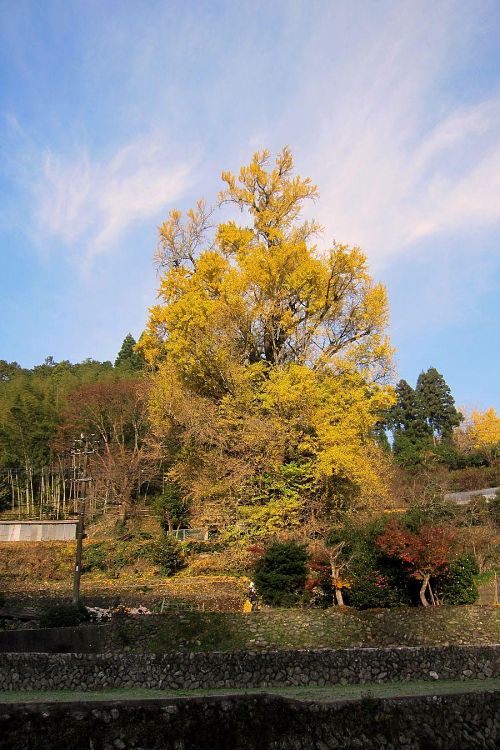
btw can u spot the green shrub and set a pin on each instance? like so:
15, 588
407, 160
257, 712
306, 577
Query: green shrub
95, 557
64, 616
374, 580
120, 527
374, 584
458, 586
168, 553
111, 557
455, 459
171, 508
280, 575
434, 511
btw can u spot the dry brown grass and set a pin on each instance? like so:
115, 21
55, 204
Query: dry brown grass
37, 560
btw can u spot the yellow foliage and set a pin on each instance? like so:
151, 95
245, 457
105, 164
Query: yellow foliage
338, 410
480, 431
485, 428
268, 352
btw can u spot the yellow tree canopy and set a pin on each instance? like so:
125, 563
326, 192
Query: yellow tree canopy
480, 431
485, 428
281, 346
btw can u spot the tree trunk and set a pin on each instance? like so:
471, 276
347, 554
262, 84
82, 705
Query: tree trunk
338, 597
423, 588
434, 600
125, 511
126, 505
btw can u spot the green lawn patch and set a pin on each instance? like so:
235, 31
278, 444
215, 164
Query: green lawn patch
306, 628
311, 693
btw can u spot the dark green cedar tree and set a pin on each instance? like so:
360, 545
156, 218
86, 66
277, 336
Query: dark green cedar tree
436, 403
128, 357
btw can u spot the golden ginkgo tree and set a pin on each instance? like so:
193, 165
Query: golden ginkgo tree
271, 359
480, 432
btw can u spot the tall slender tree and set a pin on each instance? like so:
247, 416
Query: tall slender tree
436, 404
410, 430
406, 415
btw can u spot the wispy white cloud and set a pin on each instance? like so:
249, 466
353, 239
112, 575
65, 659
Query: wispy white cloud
397, 156
89, 204
386, 197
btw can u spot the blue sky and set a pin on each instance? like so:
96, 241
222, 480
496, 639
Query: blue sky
111, 113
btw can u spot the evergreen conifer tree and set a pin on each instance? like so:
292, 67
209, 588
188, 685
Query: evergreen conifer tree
436, 404
410, 431
406, 414
128, 357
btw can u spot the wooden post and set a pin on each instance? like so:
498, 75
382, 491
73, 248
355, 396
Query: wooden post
80, 536
83, 450
80, 533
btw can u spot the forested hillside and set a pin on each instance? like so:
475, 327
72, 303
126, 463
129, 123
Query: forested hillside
44, 410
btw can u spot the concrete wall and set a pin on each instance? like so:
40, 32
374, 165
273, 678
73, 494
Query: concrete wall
84, 639
257, 722
245, 669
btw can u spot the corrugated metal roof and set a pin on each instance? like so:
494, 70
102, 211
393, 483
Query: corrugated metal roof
37, 531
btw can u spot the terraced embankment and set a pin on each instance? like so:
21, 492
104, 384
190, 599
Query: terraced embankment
301, 628
417, 698
245, 669
272, 629
296, 678
466, 719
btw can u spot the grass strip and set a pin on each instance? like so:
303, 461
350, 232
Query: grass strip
319, 694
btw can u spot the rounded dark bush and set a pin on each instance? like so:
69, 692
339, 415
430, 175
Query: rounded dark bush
95, 557
64, 615
168, 553
280, 575
458, 586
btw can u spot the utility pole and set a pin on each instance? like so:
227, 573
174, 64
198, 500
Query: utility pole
82, 448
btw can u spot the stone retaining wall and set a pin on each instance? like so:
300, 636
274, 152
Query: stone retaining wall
245, 669
257, 722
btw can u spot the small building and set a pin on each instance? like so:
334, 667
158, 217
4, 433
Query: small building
38, 531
